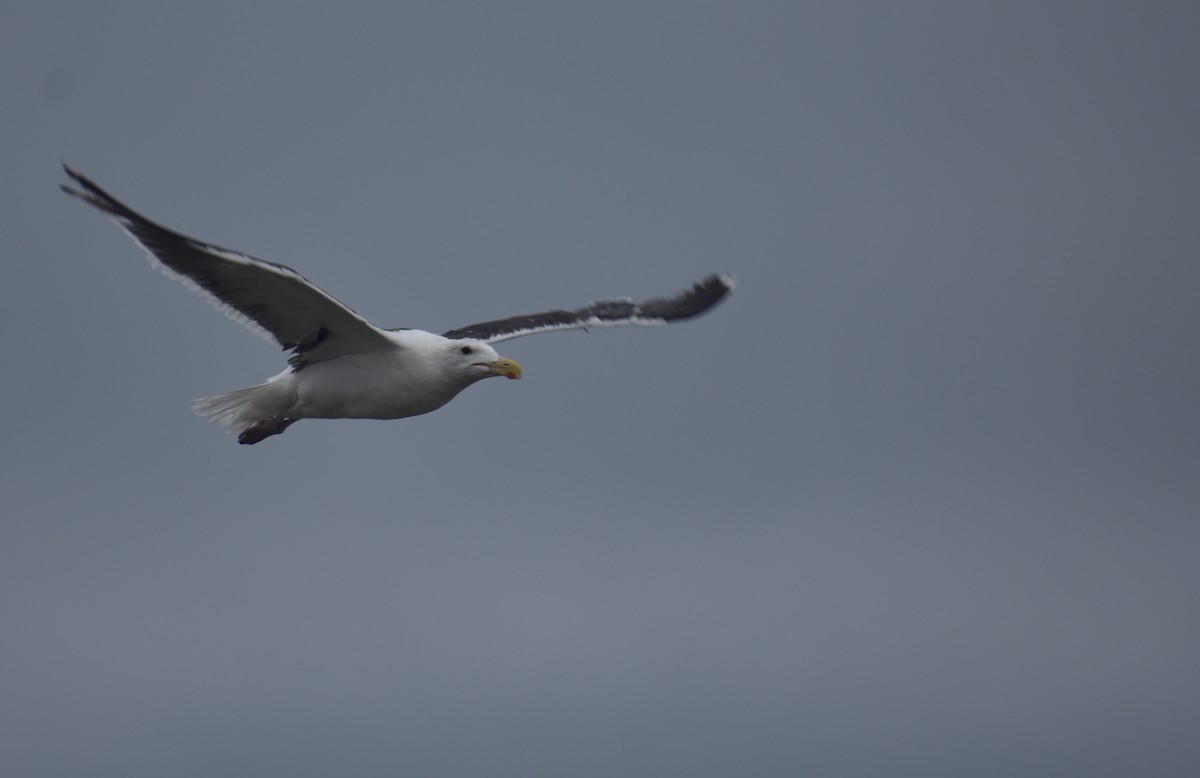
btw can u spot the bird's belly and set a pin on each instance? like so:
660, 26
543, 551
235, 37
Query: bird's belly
353, 388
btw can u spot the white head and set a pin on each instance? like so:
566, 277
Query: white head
476, 360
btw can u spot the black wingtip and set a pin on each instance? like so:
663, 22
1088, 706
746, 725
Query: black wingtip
703, 295
93, 195
80, 178
718, 284
75, 174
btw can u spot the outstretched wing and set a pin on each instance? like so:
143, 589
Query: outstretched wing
272, 300
703, 295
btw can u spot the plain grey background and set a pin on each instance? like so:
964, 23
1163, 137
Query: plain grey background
920, 499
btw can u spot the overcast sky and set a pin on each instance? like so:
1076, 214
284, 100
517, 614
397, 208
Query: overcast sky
921, 498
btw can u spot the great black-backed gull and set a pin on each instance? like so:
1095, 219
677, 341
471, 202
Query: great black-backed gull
342, 366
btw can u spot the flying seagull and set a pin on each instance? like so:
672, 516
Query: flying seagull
342, 366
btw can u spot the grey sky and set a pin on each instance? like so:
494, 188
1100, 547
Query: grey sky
920, 499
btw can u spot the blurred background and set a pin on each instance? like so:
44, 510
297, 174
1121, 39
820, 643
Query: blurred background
920, 499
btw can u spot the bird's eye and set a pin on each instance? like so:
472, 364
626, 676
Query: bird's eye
466, 350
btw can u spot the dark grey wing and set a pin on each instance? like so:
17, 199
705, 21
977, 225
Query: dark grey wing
703, 295
272, 300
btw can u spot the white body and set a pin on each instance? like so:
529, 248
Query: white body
420, 373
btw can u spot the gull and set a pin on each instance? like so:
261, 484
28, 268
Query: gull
341, 366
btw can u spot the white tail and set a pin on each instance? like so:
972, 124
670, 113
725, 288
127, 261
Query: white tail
236, 410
